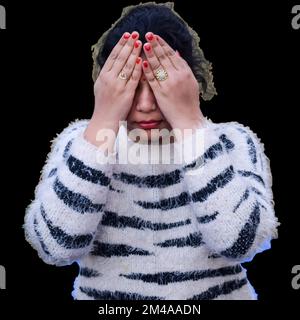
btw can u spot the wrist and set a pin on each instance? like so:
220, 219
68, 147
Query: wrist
100, 132
187, 128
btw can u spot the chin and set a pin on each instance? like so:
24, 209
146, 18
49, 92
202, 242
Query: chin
154, 136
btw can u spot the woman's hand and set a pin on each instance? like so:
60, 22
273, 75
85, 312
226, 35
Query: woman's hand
114, 95
178, 95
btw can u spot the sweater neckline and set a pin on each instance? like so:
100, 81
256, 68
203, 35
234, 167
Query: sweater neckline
139, 153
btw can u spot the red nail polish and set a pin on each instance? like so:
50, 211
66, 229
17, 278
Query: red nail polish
148, 46
138, 60
134, 35
126, 36
136, 44
150, 36
145, 64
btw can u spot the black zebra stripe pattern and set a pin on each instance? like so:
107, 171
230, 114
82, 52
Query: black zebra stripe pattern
164, 278
147, 228
114, 220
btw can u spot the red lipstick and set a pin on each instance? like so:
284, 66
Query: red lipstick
150, 124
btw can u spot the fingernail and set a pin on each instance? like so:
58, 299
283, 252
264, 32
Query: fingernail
147, 46
150, 36
145, 64
134, 35
126, 35
136, 44
138, 60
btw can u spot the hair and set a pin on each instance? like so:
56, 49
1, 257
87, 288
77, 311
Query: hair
157, 19
163, 20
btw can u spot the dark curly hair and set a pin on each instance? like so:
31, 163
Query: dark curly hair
159, 20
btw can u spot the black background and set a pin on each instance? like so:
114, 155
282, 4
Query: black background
46, 82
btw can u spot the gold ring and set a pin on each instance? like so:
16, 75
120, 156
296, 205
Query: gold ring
123, 75
161, 74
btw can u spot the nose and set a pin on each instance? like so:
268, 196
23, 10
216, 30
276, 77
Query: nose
145, 99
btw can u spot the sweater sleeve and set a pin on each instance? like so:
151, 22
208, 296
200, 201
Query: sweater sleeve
229, 182
62, 219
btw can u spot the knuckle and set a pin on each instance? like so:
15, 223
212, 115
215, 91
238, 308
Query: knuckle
156, 66
101, 77
119, 89
165, 91
188, 75
180, 81
128, 66
171, 84
128, 45
170, 52
134, 77
120, 58
114, 55
151, 79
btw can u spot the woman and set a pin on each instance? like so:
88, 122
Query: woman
153, 231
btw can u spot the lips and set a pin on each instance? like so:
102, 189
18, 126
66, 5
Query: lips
149, 124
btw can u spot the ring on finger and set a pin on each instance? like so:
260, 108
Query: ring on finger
123, 75
161, 74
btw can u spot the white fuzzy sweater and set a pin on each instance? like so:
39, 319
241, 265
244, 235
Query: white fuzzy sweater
156, 231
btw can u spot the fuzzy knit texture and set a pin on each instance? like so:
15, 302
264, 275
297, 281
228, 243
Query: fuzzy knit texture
156, 231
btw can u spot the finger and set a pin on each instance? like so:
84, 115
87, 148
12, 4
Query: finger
133, 82
154, 84
151, 57
115, 52
124, 54
177, 61
131, 61
184, 61
156, 48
